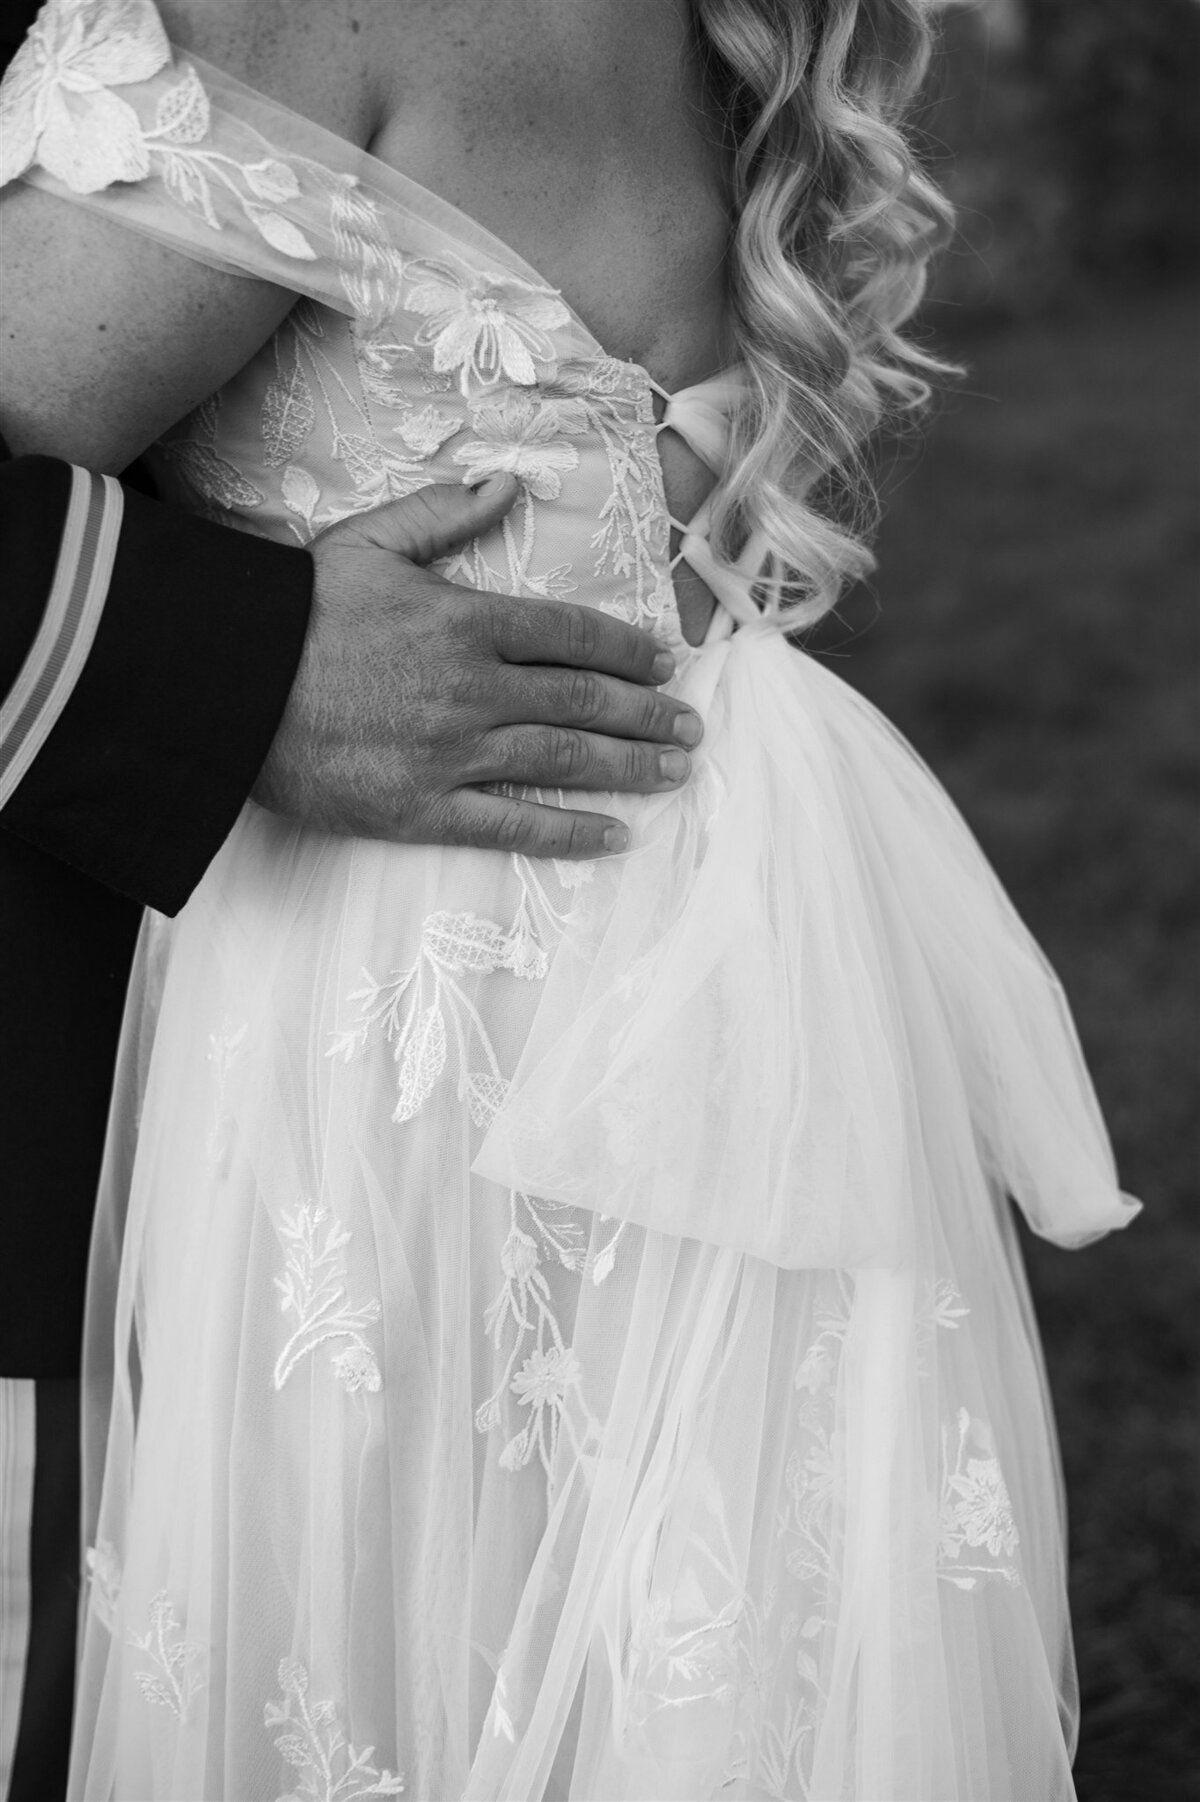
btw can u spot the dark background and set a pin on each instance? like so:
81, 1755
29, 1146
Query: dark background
1033, 629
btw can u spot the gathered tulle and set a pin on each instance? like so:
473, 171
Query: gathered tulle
668, 1424
556, 1331
760, 1000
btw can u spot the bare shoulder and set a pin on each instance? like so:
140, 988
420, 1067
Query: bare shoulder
94, 369
318, 57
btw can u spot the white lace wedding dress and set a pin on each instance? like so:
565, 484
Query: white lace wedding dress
555, 1331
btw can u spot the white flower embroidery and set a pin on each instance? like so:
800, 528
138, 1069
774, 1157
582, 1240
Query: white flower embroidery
356, 1368
976, 1511
545, 1377
549, 1381
56, 108
543, 1383
412, 1008
487, 328
313, 1288
519, 435
176, 1677
425, 432
328, 1767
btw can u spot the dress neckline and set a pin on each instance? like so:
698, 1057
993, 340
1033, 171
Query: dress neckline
435, 208
462, 227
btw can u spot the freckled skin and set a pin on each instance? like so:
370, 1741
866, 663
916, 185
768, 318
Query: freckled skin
580, 135
577, 132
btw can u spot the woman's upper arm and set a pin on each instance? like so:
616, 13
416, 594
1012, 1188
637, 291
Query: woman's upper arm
107, 336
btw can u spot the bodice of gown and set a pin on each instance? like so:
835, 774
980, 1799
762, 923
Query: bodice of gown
422, 348
798, 927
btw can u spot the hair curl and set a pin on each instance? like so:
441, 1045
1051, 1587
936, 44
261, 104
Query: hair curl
835, 222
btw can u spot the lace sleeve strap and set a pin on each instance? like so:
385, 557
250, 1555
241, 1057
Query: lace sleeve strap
99, 108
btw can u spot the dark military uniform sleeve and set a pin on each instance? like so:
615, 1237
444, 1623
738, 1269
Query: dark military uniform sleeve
178, 700
124, 804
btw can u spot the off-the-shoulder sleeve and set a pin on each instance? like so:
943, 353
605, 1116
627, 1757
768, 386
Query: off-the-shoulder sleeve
99, 108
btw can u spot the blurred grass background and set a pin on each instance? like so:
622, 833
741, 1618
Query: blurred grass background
1033, 628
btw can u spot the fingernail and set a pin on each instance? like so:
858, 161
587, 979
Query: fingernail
674, 765
616, 838
688, 728
663, 667
493, 485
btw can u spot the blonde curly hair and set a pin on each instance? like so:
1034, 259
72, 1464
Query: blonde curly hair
835, 223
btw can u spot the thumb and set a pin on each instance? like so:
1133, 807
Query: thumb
432, 522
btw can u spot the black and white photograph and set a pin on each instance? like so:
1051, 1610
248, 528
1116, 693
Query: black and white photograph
599, 900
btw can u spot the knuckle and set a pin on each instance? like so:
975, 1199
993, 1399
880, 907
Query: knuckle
585, 695
566, 754
457, 822
583, 634
653, 716
510, 829
458, 686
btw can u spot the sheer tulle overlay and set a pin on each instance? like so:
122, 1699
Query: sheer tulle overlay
557, 1331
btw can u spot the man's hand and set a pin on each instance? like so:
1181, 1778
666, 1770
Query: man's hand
412, 692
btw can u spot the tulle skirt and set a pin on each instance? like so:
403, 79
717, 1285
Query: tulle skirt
557, 1331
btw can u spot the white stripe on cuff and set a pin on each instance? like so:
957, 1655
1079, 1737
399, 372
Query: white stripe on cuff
17, 1441
76, 600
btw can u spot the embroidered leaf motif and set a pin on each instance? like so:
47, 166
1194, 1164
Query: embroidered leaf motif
271, 180
185, 179
213, 476
601, 1265
330, 1769
182, 113
485, 1096
279, 232
313, 1288
203, 420
300, 492
287, 417
363, 458
464, 942
421, 1063
176, 1677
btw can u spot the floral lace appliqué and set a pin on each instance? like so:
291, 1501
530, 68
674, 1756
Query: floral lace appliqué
176, 1675
976, 1513
548, 1380
56, 105
328, 1768
482, 329
313, 1289
59, 111
522, 435
416, 1009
